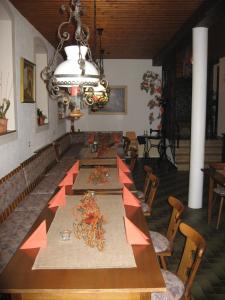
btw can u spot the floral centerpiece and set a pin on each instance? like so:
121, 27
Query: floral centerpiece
98, 175
103, 149
89, 222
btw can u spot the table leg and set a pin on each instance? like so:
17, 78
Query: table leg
210, 198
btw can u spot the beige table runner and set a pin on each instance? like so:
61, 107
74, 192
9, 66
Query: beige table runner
74, 254
108, 153
98, 162
82, 181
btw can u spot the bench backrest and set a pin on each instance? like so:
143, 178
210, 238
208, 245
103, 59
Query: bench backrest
13, 189
62, 143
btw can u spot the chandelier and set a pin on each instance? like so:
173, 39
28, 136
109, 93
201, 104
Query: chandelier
78, 79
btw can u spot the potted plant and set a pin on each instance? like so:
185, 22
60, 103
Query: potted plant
40, 117
4, 106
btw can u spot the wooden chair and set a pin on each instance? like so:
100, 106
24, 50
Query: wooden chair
163, 245
179, 285
126, 145
142, 195
219, 192
134, 157
151, 195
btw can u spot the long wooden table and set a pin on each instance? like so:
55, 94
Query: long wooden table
216, 173
23, 283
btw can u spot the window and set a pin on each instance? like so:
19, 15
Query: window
6, 64
41, 91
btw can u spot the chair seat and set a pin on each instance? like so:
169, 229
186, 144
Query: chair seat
160, 242
219, 190
145, 207
139, 194
174, 286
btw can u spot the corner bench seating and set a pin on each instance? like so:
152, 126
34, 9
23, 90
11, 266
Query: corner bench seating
25, 191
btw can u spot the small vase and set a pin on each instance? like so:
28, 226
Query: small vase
3, 125
41, 121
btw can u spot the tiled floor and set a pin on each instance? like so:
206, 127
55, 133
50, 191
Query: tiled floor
210, 280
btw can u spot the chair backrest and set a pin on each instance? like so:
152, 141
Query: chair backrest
126, 144
152, 192
175, 218
148, 171
191, 258
134, 157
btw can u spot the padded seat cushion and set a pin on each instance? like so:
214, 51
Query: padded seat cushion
139, 194
12, 232
34, 202
48, 185
174, 286
160, 242
145, 207
220, 190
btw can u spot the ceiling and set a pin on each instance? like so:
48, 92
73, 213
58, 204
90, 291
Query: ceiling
133, 29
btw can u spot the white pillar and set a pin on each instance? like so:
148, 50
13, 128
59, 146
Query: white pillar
198, 116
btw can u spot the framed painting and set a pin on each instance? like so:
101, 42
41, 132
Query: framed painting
117, 104
27, 81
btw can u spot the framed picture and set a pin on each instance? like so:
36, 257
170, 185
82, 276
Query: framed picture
27, 81
117, 104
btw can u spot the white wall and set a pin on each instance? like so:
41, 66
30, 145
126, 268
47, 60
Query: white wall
221, 100
18, 146
126, 72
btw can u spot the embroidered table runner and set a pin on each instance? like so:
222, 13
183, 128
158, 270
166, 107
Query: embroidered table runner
83, 182
98, 162
74, 253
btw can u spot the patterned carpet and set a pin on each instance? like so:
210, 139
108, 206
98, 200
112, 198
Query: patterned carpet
210, 279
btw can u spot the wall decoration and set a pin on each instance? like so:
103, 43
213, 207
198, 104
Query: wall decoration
117, 104
27, 81
152, 84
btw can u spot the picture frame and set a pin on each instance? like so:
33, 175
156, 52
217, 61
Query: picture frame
117, 104
27, 81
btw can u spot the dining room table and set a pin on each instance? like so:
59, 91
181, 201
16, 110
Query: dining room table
216, 175
137, 281
101, 152
92, 162
89, 179
74, 270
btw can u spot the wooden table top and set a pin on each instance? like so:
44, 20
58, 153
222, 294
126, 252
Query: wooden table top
18, 276
112, 152
88, 162
217, 172
82, 182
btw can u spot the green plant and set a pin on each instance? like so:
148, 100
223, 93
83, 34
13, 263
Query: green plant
40, 114
4, 108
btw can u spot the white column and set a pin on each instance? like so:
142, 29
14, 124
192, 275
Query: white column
198, 116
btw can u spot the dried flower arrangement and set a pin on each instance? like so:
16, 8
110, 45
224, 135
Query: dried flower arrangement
98, 175
89, 222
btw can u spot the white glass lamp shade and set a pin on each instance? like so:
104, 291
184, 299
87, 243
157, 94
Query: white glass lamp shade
69, 72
